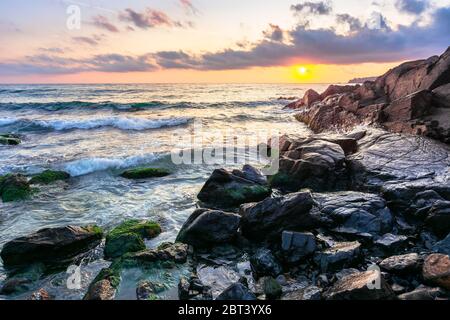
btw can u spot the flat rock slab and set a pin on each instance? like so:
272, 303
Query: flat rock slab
436, 270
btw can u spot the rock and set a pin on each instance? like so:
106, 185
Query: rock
145, 173
436, 270
311, 163
41, 295
442, 95
422, 293
129, 237
14, 187
173, 252
226, 190
341, 255
9, 139
423, 202
307, 294
355, 213
311, 97
410, 107
218, 278
237, 292
147, 290
265, 264
51, 245
15, 285
335, 89
206, 228
358, 286
251, 174
439, 218
269, 218
391, 243
101, 290
296, 245
272, 289
443, 246
345, 272
49, 176
23, 279
193, 288
403, 263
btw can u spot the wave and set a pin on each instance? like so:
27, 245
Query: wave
123, 123
86, 166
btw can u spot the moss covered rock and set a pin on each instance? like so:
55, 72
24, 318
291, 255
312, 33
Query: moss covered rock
14, 187
105, 284
129, 237
49, 176
9, 139
145, 173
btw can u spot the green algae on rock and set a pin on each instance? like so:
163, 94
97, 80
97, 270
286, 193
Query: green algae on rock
145, 173
129, 237
49, 176
14, 187
9, 139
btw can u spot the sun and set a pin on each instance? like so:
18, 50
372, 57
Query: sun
302, 70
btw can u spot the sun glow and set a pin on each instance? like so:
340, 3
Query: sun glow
302, 70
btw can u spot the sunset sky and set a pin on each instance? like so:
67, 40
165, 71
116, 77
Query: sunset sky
215, 40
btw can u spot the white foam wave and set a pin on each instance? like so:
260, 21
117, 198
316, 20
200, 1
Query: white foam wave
7, 121
86, 166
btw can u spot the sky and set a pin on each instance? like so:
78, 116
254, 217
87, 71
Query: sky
215, 41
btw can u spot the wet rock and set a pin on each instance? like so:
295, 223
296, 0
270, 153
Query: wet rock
390, 243
269, 218
251, 174
436, 270
423, 293
166, 252
443, 246
206, 228
264, 263
306, 294
358, 286
227, 190
439, 218
9, 139
15, 285
423, 202
218, 278
272, 289
145, 173
297, 245
101, 290
193, 288
345, 272
14, 187
403, 263
341, 255
51, 245
237, 292
129, 237
49, 176
355, 213
409, 107
147, 290
41, 295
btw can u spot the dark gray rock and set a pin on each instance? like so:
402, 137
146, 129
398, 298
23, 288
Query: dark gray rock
297, 245
443, 246
147, 290
358, 287
51, 245
193, 289
237, 292
265, 264
251, 174
269, 218
439, 218
390, 243
403, 263
423, 293
227, 190
341, 255
355, 213
307, 294
166, 252
272, 289
206, 228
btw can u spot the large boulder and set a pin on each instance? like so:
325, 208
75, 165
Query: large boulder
206, 228
402, 264
436, 270
14, 187
439, 218
358, 286
49, 176
227, 190
355, 213
129, 237
442, 95
51, 245
266, 220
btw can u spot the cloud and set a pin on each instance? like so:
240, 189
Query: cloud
151, 18
54, 65
317, 8
189, 7
363, 45
354, 24
103, 22
52, 50
92, 41
275, 33
412, 6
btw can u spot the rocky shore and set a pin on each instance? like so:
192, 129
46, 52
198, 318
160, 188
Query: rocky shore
360, 215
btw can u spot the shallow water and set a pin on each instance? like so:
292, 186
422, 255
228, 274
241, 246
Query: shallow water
95, 131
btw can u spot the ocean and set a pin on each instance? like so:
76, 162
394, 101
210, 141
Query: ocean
96, 131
